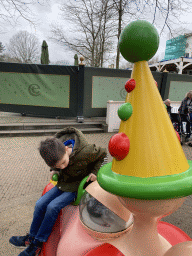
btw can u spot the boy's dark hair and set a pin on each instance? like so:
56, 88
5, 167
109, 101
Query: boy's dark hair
52, 150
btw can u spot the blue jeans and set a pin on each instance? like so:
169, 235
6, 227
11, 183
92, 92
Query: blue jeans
47, 209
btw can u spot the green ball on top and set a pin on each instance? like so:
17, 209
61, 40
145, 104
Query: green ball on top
139, 41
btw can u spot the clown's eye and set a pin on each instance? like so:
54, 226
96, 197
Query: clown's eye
97, 217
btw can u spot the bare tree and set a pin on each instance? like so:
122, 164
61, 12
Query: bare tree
88, 17
62, 63
155, 59
162, 13
24, 47
127, 65
122, 7
181, 30
169, 12
12, 10
8, 58
92, 29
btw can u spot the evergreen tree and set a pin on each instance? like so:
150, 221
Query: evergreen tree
2, 48
44, 53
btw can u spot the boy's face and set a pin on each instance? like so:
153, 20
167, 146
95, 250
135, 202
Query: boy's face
63, 163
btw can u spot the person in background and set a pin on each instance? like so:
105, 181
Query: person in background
167, 102
184, 111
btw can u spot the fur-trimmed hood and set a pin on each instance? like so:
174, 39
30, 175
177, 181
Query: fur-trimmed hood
74, 134
85, 159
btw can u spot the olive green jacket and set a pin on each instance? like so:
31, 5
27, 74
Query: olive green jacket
85, 159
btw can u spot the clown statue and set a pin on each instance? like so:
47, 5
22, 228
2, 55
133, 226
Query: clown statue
149, 177
149, 173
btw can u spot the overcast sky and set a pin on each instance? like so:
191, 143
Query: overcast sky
46, 14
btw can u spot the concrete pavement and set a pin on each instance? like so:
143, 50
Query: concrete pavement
24, 176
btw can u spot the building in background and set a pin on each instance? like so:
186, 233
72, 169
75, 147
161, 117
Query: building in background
178, 56
180, 46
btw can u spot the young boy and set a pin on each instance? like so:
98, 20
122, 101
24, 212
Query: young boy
69, 155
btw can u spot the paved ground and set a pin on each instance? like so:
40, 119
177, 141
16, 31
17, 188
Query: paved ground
8, 118
23, 178
24, 175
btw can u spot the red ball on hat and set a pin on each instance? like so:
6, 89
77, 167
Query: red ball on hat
130, 85
119, 145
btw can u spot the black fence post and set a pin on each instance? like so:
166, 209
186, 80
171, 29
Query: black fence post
163, 84
80, 94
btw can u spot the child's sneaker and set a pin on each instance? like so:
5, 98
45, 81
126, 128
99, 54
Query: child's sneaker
32, 250
20, 241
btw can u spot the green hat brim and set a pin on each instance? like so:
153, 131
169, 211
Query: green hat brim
152, 188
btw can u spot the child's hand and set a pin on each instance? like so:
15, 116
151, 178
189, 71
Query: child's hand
92, 177
53, 172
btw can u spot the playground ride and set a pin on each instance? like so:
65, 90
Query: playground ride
97, 222
99, 218
149, 175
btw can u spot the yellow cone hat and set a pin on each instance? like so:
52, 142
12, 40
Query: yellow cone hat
153, 164
154, 147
